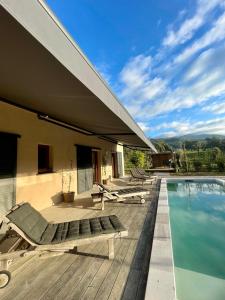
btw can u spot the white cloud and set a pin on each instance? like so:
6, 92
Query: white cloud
209, 59
199, 65
143, 126
150, 88
136, 80
183, 126
135, 72
209, 81
215, 34
216, 108
191, 25
170, 134
213, 126
184, 33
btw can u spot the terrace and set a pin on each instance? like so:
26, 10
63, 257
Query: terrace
64, 119
89, 274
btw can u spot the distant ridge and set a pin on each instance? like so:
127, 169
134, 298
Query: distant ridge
191, 137
190, 140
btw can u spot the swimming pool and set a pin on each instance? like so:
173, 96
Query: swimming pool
197, 220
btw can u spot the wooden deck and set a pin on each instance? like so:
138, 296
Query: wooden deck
89, 274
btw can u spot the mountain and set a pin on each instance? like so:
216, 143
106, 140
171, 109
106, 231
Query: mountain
190, 139
198, 137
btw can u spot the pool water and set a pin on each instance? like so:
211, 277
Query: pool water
197, 219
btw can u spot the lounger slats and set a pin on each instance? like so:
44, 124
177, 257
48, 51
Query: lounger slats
106, 224
123, 191
85, 228
117, 225
44, 233
73, 229
30, 221
95, 225
131, 190
61, 232
49, 234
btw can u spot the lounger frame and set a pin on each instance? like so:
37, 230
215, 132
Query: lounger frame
114, 195
55, 249
136, 176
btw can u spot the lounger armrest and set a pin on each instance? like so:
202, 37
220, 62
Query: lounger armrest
114, 192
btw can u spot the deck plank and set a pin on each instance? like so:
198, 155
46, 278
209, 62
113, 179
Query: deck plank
40, 281
119, 284
76, 292
75, 268
107, 284
89, 274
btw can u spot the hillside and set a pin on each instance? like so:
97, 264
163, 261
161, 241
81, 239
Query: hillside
197, 137
191, 140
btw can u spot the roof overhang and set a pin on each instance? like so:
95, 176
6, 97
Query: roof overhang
43, 70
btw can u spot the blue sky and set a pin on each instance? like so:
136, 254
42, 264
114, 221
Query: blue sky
165, 60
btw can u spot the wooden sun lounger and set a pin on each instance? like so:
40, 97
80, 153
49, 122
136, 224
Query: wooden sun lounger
44, 237
122, 194
146, 175
135, 175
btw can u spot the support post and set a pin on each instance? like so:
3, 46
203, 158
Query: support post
4, 264
111, 248
102, 200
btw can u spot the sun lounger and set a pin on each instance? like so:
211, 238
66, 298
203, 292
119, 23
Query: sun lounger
146, 175
122, 194
45, 237
135, 175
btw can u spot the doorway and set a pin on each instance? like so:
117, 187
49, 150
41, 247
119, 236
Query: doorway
117, 164
95, 166
84, 169
114, 165
8, 162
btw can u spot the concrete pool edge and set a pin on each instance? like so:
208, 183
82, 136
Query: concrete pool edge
161, 280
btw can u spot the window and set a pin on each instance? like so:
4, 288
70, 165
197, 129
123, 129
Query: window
44, 159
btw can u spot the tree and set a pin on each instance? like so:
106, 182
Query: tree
220, 161
216, 152
162, 146
138, 159
197, 165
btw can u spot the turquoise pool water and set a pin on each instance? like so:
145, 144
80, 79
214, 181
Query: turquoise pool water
197, 219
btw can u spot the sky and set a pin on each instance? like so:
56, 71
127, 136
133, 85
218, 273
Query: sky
165, 60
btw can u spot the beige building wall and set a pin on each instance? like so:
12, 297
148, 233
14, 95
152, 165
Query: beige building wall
42, 190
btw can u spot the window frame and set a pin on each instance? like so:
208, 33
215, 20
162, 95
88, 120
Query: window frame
48, 158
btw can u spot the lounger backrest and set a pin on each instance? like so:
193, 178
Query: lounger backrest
135, 174
141, 171
132, 172
29, 221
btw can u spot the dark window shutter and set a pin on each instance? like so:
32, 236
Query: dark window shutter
8, 162
84, 169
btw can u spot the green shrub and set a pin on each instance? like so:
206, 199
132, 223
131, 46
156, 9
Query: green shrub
197, 165
220, 161
209, 166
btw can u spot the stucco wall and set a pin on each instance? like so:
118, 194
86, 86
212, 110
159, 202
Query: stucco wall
42, 190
